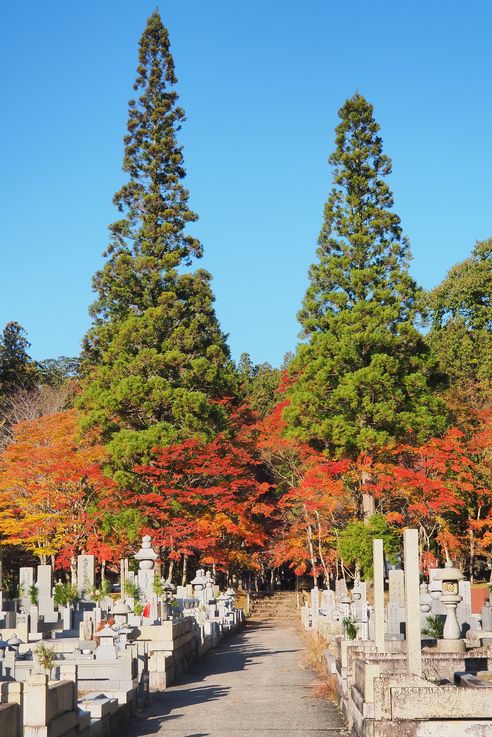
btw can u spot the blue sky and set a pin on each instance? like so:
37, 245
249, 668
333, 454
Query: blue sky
261, 83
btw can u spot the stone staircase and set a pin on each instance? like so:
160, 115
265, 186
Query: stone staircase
273, 606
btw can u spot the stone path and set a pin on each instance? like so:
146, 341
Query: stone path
251, 686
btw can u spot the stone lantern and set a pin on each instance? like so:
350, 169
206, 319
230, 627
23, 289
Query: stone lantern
146, 557
450, 597
199, 583
14, 642
107, 649
120, 613
169, 589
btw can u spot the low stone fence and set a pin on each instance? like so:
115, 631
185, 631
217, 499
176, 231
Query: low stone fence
378, 697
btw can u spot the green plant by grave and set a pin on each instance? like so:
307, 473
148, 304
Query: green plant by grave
138, 608
158, 586
350, 627
34, 594
45, 656
130, 588
99, 593
434, 627
65, 593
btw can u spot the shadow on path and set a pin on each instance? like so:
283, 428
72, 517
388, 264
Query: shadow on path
249, 686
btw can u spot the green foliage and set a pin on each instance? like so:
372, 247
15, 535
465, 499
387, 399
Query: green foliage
461, 313
98, 593
365, 377
158, 586
259, 384
45, 656
130, 588
34, 594
65, 593
128, 521
350, 627
434, 626
138, 608
355, 543
17, 369
155, 360
57, 371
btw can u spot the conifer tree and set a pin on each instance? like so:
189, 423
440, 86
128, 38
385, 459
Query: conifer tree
17, 369
461, 327
364, 377
156, 363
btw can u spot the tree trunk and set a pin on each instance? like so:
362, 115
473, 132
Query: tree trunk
320, 552
368, 505
185, 570
73, 570
472, 554
170, 570
311, 553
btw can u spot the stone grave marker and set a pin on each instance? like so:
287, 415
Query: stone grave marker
340, 588
45, 588
463, 610
328, 604
393, 621
26, 580
85, 573
396, 587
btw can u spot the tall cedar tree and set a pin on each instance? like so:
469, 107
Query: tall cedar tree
364, 377
155, 361
17, 369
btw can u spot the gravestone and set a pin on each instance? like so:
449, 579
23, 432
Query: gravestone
22, 626
26, 580
85, 573
487, 617
378, 567
463, 610
45, 588
393, 631
328, 604
340, 588
314, 608
412, 603
396, 587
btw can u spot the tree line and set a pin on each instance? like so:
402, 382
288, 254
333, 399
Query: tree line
380, 419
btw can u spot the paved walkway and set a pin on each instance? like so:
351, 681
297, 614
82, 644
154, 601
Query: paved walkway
251, 686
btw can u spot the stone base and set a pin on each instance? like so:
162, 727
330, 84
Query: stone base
451, 646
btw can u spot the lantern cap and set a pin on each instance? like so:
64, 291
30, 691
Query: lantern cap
448, 573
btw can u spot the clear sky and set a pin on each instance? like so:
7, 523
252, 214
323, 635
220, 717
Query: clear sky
261, 82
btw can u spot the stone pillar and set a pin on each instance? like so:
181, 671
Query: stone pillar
412, 601
36, 706
378, 565
314, 608
33, 621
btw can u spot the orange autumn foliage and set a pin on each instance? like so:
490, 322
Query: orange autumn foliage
52, 488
